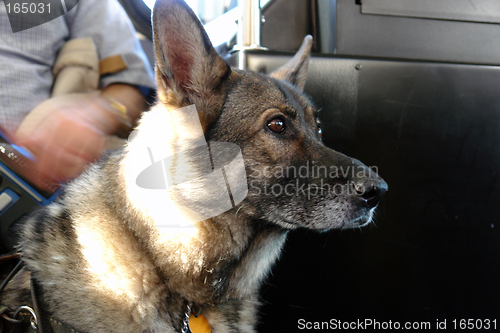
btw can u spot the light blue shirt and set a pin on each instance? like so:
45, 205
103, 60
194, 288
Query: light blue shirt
27, 57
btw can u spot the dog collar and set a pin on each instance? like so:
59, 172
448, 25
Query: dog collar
195, 322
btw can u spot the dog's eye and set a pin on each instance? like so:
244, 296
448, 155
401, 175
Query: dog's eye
320, 132
277, 125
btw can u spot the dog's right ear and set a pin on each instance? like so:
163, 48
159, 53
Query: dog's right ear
188, 69
295, 70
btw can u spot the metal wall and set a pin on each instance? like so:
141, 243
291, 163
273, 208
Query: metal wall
433, 131
464, 31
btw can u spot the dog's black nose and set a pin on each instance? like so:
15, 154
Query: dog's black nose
371, 191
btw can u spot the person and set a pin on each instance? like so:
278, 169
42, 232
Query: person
67, 132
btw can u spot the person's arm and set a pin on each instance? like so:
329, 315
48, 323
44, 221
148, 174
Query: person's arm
107, 23
129, 96
68, 132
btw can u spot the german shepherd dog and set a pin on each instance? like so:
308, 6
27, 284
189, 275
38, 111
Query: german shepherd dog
100, 259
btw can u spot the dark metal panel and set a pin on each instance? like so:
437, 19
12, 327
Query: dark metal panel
433, 132
487, 11
412, 38
286, 24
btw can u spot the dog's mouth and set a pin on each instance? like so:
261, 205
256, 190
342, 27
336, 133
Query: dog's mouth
341, 213
365, 219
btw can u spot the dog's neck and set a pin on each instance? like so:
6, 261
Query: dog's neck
226, 257
254, 264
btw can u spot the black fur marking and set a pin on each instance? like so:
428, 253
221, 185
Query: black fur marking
64, 225
39, 216
233, 317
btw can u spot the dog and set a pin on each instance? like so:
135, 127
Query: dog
103, 261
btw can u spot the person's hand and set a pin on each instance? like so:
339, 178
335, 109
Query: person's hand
66, 133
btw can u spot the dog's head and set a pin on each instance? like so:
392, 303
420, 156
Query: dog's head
293, 179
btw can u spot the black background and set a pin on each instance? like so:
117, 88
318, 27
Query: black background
433, 253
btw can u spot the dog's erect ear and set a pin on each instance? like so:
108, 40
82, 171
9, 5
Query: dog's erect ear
295, 71
187, 64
